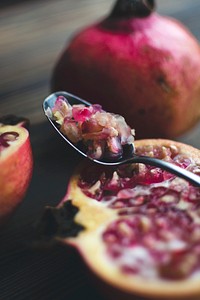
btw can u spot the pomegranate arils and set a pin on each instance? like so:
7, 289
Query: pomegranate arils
194, 168
61, 109
81, 113
103, 134
178, 268
144, 176
182, 161
70, 128
167, 238
6, 138
166, 153
156, 227
114, 148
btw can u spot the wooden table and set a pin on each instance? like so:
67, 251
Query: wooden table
32, 34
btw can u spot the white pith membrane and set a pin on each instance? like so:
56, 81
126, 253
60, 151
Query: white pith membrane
144, 237
11, 137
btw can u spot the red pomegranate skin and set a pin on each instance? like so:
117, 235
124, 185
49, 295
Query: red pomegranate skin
16, 164
146, 69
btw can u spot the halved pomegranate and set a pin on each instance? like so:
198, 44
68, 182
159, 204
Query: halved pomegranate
16, 164
137, 227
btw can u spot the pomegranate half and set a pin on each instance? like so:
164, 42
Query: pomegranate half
136, 227
138, 64
16, 164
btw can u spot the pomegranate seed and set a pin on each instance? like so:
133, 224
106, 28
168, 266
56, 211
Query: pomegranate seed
7, 137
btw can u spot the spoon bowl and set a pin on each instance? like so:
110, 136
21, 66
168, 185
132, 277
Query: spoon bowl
128, 157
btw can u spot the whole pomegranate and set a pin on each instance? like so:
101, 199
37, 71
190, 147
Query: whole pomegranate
139, 64
137, 227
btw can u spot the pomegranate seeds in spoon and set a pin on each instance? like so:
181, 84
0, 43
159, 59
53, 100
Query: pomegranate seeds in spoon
103, 134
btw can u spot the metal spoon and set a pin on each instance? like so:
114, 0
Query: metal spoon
132, 158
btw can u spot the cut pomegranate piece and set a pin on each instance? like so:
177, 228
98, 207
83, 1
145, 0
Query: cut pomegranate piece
141, 225
15, 164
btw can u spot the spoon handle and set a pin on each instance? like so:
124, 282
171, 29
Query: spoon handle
171, 168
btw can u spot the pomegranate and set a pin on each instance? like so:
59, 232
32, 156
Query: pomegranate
139, 64
103, 134
137, 227
16, 164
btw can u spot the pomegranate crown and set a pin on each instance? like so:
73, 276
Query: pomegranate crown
131, 8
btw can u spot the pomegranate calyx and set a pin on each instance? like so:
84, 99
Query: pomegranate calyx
14, 120
132, 8
58, 222
7, 137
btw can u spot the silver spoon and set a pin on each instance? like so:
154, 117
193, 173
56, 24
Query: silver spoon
132, 158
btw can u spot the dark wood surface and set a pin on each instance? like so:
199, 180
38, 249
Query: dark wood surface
32, 34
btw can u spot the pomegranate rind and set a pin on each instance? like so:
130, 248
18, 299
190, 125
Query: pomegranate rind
16, 165
95, 217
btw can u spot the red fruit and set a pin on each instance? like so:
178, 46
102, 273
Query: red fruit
136, 227
139, 64
15, 164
